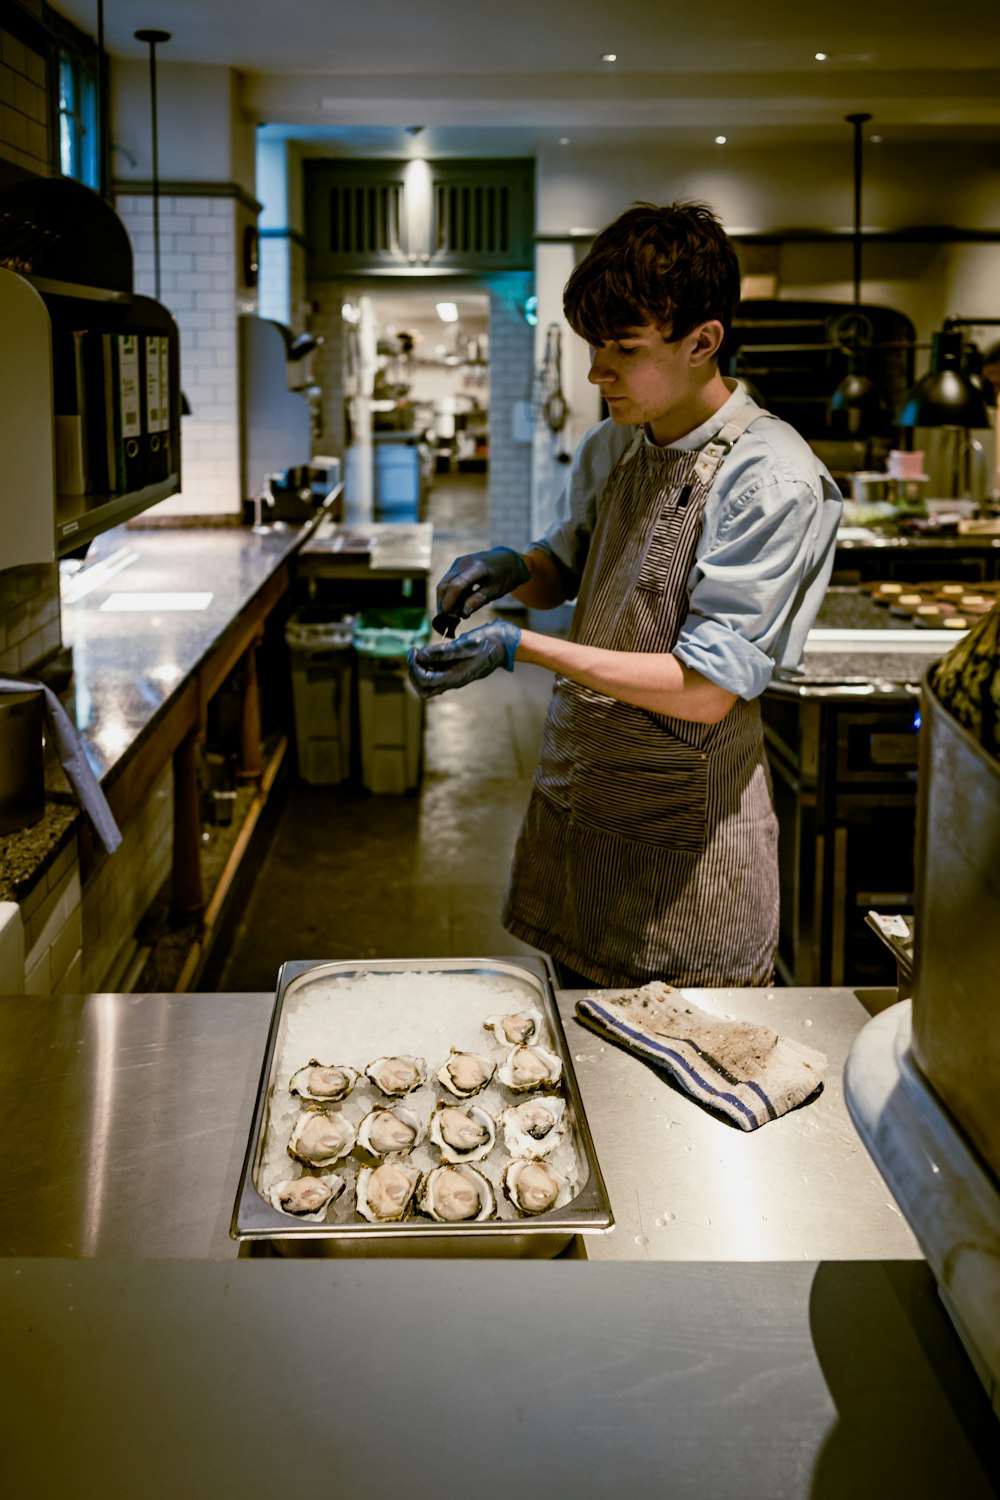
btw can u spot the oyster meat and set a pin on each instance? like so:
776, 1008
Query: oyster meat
463, 1134
516, 1028
535, 1186
396, 1076
456, 1195
326, 1083
385, 1193
526, 1068
320, 1137
306, 1197
536, 1127
465, 1073
390, 1131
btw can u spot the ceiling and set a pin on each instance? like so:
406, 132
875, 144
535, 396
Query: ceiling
524, 75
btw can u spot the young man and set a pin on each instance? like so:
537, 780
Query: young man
697, 541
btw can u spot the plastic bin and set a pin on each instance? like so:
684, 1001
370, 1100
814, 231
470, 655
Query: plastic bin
397, 481
390, 713
322, 655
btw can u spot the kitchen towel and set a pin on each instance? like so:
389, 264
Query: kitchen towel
747, 1071
69, 748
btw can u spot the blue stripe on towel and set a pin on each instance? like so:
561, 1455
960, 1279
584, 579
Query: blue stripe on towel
646, 1042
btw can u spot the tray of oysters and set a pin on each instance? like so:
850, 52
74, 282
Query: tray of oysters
419, 1106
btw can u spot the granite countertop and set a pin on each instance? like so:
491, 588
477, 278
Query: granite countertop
128, 666
888, 656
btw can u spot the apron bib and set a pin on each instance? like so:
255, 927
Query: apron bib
649, 848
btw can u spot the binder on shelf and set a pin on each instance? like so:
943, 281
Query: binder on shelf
166, 433
73, 475
123, 413
156, 410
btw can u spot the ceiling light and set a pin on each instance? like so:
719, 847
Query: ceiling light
564, 140
609, 57
447, 312
876, 140
720, 140
820, 56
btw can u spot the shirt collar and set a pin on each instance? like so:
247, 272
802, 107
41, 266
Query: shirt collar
699, 436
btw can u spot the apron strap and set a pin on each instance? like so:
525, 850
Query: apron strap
711, 456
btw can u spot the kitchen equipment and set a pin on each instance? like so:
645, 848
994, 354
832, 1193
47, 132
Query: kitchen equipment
359, 1006
22, 760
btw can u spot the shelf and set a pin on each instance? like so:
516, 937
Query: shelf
79, 518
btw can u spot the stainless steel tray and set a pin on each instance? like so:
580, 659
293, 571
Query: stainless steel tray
254, 1218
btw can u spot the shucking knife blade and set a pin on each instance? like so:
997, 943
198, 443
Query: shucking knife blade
446, 624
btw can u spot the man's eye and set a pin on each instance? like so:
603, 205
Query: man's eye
627, 348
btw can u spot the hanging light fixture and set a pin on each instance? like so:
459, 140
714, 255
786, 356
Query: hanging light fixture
857, 409
944, 397
153, 38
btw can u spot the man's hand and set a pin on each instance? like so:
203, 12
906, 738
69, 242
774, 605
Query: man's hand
476, 579
451, 664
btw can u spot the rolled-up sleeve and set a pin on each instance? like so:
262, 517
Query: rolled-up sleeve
761, 569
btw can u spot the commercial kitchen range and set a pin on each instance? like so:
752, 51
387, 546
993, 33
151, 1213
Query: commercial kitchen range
759, 1321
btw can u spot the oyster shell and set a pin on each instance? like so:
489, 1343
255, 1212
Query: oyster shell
535, 1186
390, 1131
385, 1193
526, 1068
465, 1073
463, 1134
516, 1028
534, 1128
396, 1076
456, 1195
306, 1197
326, 1083
320, 1137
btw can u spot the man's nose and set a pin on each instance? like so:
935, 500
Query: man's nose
599, 368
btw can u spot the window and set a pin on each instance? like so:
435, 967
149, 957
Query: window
78, 142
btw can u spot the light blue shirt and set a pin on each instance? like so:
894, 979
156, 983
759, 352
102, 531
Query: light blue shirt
764, 555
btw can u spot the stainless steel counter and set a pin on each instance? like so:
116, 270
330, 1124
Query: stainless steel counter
124, 1120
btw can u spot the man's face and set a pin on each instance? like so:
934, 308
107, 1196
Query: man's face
649, 379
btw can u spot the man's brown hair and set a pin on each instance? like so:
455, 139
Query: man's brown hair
673, 266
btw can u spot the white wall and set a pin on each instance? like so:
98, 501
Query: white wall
202, 135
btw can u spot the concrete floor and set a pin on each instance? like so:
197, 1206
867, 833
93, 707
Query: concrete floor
350, 875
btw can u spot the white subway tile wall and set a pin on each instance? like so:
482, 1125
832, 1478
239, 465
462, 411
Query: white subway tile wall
511, 362
24, 131
124, 885
53, 929
30, 627
198, 284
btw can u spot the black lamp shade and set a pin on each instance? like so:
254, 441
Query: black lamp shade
944, 397
857, 409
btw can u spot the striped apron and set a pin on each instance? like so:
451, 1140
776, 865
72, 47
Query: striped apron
649, 848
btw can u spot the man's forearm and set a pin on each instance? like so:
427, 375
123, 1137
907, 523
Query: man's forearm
545, 588
655, 680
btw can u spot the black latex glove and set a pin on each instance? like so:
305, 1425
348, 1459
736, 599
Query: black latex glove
476, 579
451, 664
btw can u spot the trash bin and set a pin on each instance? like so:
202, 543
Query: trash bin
322, 690
390, 713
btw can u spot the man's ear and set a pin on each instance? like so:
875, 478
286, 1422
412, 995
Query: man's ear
706, 341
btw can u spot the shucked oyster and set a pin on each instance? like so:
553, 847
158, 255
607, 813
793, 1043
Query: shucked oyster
396, 1076
306, 1197
390, 1131
320, 1137
535, 1186
325, 1083
517, 1027
534, 1128
526, 1068
385, 1193
465, 1073
463, 1134
456, 1195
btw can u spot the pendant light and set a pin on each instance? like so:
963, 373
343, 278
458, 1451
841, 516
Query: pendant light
944, 397
153, 38
856, 406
